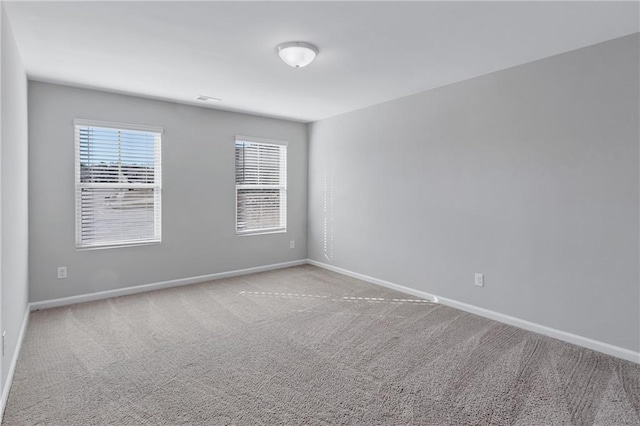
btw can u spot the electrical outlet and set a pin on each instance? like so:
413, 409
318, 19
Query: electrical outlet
62, 272
479, 280
292, 244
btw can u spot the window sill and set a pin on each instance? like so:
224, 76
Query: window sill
249, 233
114, 246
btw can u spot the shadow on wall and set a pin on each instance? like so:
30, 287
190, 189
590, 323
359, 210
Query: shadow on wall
327, 200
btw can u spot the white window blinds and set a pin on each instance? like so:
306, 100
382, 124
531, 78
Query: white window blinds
261, 185
118, 183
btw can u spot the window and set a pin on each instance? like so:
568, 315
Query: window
261, 185
118, 183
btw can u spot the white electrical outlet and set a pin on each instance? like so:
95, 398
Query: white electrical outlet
292, 244
62, 272
479, 280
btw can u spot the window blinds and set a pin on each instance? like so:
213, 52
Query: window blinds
118, 184
261, 185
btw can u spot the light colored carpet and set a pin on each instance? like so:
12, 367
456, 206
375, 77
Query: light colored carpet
304, 346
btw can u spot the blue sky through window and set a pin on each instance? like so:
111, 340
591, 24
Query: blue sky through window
113, 146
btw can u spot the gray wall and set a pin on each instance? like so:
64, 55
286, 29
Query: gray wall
529, 175
198, 194
13, 183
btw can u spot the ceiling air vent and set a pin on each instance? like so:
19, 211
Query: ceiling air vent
208, 98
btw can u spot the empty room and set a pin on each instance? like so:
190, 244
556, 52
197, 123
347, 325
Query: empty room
320, 213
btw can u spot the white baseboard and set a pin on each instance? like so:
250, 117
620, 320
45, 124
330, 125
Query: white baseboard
585, 342
376, 281
507, 319
53, 303
14, 362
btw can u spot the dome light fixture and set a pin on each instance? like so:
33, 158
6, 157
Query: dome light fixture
297, 54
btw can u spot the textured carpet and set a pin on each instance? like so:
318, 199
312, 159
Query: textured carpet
304, 346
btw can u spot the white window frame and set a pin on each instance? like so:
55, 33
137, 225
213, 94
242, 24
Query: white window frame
156, 186
274, 230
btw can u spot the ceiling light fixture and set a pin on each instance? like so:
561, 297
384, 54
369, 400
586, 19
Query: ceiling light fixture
297, 54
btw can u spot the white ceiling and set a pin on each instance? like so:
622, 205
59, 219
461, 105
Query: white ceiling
370, 52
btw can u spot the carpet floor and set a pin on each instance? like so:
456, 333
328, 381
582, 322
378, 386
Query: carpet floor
304, 346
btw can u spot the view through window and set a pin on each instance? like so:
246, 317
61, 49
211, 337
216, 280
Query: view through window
118, 184
261, 185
